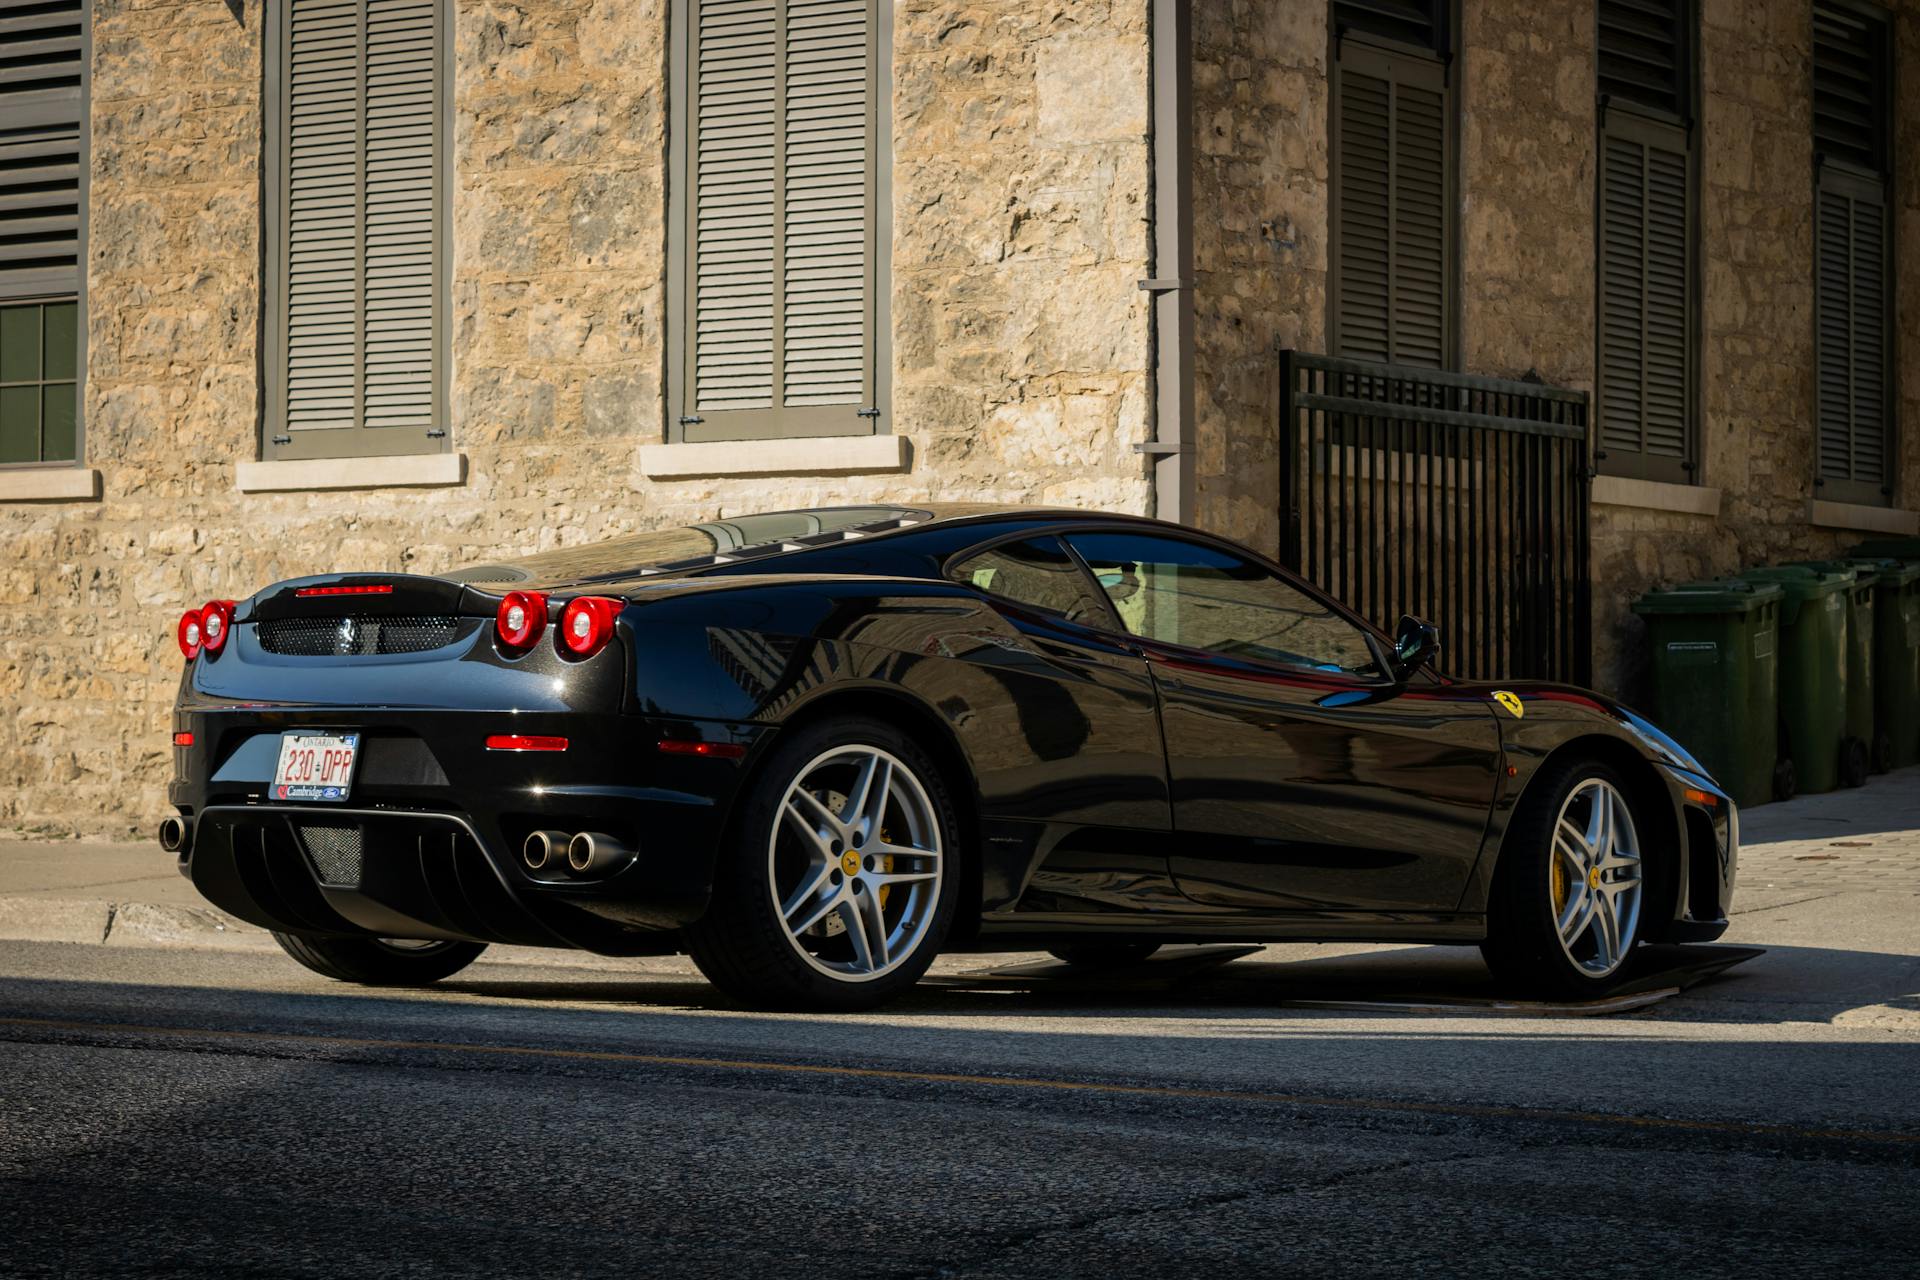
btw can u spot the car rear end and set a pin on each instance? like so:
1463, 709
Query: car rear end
372, 755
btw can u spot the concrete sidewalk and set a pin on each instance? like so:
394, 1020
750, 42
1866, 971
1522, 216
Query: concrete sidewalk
131, 895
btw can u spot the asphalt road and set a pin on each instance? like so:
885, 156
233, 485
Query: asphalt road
176, 1112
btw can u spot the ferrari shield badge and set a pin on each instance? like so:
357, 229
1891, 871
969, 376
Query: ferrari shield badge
1511, 702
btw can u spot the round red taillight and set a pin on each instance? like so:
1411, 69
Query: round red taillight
189, 634
522, 617
586, 625
216, 619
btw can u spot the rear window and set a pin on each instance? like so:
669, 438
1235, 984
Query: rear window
686, 547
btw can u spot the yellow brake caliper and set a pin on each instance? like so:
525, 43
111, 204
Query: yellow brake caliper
1557, 884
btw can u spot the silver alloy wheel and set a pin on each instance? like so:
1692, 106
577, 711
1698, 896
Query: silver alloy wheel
854, 863
1594, 878
415, 946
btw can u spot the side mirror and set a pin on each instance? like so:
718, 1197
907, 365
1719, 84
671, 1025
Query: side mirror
1416, 643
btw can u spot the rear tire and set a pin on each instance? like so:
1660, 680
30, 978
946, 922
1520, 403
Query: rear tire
1565, 912
839, 879
1102, 955
378, 962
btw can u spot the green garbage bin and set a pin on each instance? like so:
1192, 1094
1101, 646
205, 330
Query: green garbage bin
1889, 548
1896, 662
1859, 594
1813, 674
1716, 677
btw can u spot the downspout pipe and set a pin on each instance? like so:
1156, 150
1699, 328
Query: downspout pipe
1170, 209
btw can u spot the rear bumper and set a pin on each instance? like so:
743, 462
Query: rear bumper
428, 845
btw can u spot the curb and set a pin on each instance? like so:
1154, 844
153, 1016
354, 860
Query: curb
96, 922
132, 924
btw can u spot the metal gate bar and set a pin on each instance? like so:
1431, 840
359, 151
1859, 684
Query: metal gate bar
1456, 498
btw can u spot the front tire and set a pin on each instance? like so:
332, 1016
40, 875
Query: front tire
380, 962
839, 880
1565, 911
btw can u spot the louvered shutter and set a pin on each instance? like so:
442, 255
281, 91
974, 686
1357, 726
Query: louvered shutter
1851, 338
1643, 54
779, 313
1646, 300
1852, 254
42, 115
1420, 23
1391, 291
360, 159
1850, 79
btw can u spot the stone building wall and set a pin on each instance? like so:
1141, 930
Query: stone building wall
1259, 242
1758, 404
1019, 342
1906, 193
1527, 221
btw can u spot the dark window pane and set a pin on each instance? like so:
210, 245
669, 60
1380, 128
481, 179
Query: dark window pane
19, 424
62, 339
1039, 573
20, 344
57, 435
1203, 598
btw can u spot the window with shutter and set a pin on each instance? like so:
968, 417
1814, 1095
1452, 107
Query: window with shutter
43, 114
1852, 255
357, 362
777, 288
1392, 294
1644, 54
1647, 292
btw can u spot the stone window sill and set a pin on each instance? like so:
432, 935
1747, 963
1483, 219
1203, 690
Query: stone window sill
50, 484
405, 471
800, 456
1655, 495
1863, 519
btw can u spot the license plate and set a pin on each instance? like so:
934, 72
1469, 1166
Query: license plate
315, 765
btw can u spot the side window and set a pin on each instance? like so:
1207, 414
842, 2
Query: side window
1188, 594
1038, 573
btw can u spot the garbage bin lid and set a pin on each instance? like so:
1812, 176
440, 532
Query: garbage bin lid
1805, 581
1726, 595
1898, 548
1865, 574
1891, 572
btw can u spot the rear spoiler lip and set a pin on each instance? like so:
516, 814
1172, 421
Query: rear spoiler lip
412, 593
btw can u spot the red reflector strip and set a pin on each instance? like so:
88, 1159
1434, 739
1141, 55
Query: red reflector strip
524, 742
182, 739
380, 589
718, 750
1706, 798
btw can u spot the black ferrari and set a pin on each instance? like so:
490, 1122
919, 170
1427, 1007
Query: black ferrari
812, 749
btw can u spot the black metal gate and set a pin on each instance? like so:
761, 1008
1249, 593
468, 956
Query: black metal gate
1459, 499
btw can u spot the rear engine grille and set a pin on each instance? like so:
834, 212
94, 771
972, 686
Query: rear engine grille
336, 853
355, 635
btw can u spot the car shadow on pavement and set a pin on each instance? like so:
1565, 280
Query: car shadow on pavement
1780, 985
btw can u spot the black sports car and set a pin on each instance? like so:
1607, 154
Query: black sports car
814, 748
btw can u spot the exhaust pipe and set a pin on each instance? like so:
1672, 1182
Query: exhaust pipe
545, 851
173, 834
595, 852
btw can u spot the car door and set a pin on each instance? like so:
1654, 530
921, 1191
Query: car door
1079, 762
1304, 778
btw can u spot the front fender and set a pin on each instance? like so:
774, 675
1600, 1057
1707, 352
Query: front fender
1691, 817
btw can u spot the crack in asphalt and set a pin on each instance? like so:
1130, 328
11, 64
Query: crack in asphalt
113, 911
1189, 1205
